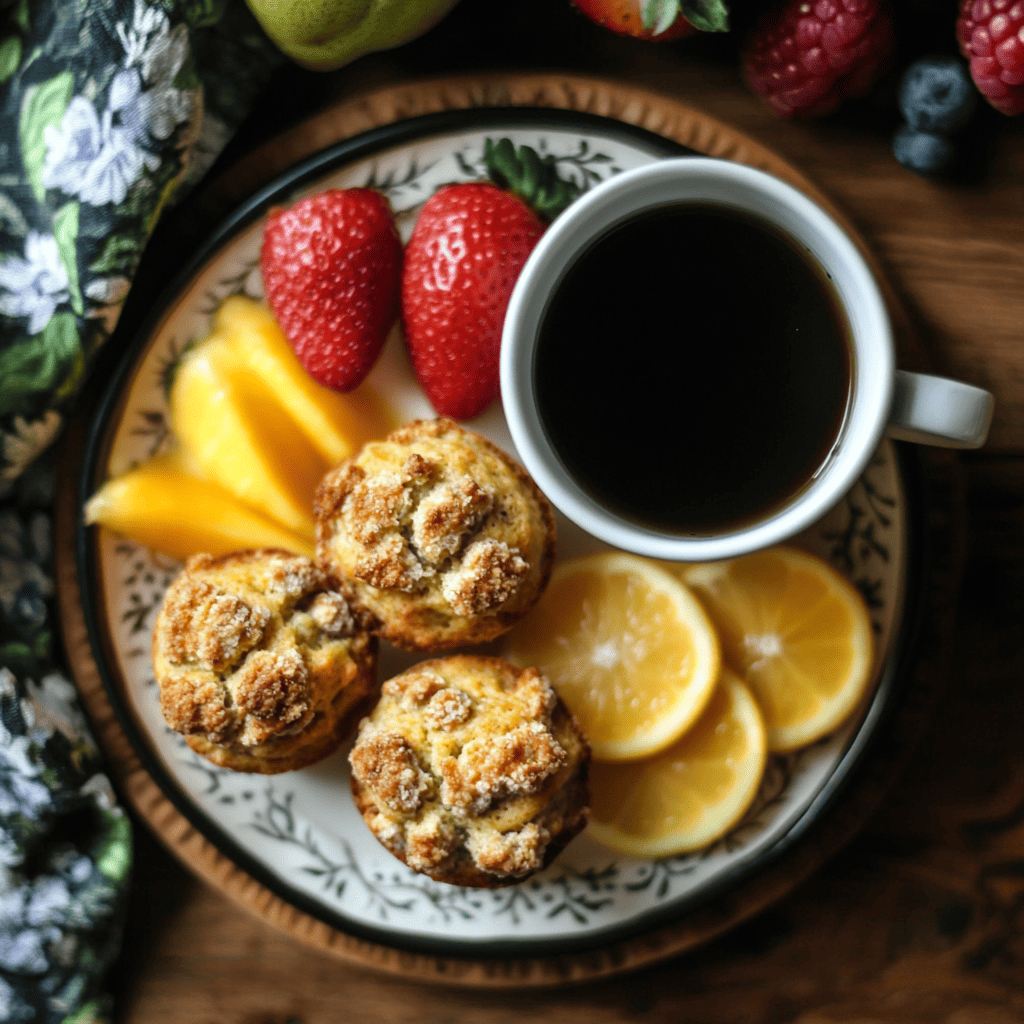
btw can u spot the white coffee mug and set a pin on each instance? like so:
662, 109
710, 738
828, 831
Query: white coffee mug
909, 406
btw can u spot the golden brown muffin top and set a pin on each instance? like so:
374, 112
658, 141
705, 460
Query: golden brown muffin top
464, 751
441, 515
236, 642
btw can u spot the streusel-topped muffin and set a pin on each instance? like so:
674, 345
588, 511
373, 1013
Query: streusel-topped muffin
260, 664
437, 537
471, 771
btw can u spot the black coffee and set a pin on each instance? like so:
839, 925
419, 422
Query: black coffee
693, 369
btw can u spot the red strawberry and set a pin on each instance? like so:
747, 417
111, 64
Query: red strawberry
806, 57
661, 20
638, 18
468, 246
332, 267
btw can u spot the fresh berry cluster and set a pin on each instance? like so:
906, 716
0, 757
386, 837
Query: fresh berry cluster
337, 278
806, 56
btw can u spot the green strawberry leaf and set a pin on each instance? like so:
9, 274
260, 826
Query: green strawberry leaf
530, 176
707, 15
658, 15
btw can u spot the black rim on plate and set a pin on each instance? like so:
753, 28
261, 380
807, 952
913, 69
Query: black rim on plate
120, 366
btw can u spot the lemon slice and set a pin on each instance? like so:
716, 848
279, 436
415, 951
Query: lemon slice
627, 647
798, 634
688, 796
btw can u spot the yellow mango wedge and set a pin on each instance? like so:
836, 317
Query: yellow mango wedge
162, 506
233, 430
335, 424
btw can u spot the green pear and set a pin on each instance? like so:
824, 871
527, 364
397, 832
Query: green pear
325, 34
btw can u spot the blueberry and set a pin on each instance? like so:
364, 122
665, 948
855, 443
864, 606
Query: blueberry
923, 152
937, 95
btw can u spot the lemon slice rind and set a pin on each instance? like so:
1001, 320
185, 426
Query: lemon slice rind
718, 819
831, 713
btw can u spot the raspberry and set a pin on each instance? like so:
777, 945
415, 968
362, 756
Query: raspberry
991, 36
806, 56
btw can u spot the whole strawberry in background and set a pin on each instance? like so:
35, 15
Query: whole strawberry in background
468, 246
661, 20
991, 37
806, 56
332, 268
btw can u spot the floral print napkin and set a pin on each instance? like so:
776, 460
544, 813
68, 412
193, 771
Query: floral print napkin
109, 111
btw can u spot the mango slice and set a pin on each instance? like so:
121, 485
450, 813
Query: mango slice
162, 506
335, 424
227, 420
255, 434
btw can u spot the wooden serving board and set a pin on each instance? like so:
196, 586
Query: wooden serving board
690, 127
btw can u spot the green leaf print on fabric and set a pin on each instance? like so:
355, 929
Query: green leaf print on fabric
11, 216
201, 13
38, 364
121, 254
44, 105
10, 55
65, 230
114, 856
95, 1012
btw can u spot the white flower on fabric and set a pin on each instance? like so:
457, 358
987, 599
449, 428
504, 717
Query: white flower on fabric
10, 856
166, 106
100, 789
94, 158
160, 54
109, 293
127, 101
56, 704
48, 902
16, 754
27, 441
72, 148
18, 794
147, 20
25, 952
34, 286
120, 161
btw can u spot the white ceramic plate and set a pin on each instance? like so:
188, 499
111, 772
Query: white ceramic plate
299, 833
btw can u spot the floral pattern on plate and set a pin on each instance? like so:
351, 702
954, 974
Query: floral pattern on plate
302, 829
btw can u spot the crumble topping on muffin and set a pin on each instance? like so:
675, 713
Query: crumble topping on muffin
471, 770
437, 537
259, 664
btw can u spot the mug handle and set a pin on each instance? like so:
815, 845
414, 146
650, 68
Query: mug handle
939, 411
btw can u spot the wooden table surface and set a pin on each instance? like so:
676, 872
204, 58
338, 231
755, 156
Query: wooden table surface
921, 917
